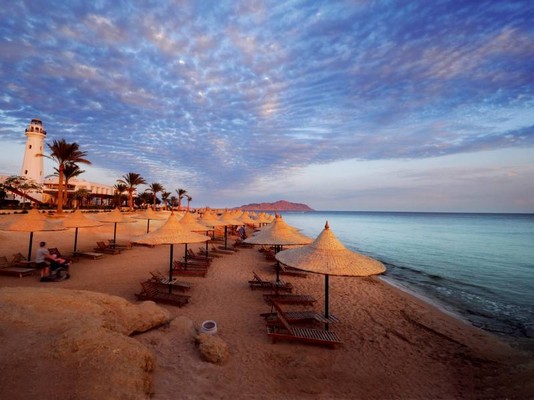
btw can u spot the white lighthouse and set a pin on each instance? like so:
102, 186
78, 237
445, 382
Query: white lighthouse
32, 165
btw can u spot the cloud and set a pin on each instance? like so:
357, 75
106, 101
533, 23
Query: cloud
219, 94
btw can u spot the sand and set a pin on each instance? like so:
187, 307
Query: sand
395, 346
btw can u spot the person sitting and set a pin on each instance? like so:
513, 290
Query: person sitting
48, 263
42, 259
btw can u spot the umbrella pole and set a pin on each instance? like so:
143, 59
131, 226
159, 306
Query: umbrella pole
115, 235
225, 235
276, 250
207, 255
170, 268
30, 248
326, 300
185, 257
147, 225
75, 239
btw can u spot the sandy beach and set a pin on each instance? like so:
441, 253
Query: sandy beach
395, 346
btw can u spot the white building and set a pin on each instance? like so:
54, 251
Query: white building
32, 167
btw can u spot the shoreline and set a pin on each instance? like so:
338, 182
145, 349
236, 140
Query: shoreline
388, 335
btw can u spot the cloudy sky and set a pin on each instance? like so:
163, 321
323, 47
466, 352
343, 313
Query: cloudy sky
343, 105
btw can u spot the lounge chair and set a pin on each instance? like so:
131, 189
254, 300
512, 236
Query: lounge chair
259, 283
192, 256
240, 243
218, 250
151, 292
285, 270
202, 252
297, 317
88, 254
11, 269
192, 270
160, 279
55, 251
301, 299
104, 248
120, 246
305, 335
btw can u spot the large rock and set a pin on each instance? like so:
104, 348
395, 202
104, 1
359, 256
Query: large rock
212, 348
74, 344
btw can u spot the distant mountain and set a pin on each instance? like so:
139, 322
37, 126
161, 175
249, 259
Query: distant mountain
280, 205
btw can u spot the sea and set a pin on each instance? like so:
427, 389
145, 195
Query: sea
479, 267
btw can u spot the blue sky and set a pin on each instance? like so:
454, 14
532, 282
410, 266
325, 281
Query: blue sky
345, 105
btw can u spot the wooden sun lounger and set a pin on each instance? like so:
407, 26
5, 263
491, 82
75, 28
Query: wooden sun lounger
192, 256
121, 246
104, 248
285, 270
88, 254
259, 283
9, 269
296, 317
305, 335
301, 299
151, 292
55, 251
218, 250
160, 279
202, 251
179, 269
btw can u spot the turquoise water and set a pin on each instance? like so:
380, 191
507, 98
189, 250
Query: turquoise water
480, 266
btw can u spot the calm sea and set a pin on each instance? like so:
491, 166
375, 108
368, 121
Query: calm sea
480, 266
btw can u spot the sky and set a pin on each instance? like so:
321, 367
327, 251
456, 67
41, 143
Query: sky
364, 105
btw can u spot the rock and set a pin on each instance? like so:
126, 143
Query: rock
212, 348
75, 344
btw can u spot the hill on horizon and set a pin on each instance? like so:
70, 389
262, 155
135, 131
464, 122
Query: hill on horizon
280, 205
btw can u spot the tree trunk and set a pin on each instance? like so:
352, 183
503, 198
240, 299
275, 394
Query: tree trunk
60, 190
130, 200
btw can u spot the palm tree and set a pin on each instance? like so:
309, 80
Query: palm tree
131, 180
165, 197
181, 193
71, 171
173, 202
155, 188
81, 195
120, 188
189, 198
64, 153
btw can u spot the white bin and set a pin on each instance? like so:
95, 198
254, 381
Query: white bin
209, 326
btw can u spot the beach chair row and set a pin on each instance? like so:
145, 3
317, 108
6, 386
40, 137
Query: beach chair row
288, 325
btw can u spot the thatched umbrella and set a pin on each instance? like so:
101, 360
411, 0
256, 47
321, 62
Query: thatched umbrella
328, 256
78, 220
278, 235
149, 214
228, 220
115, 217
210, 219
32, 222
189, 222
171, 233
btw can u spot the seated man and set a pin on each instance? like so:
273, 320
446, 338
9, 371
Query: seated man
42, 259
46, 261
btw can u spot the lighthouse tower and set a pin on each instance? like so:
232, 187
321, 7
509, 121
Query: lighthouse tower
32, 166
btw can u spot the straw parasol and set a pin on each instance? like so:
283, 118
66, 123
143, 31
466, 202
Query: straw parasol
210, 219
189, 222
228, 220
32, 222
328, 256
149, 214
78, 220
278, 235
115, 217
171, 233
